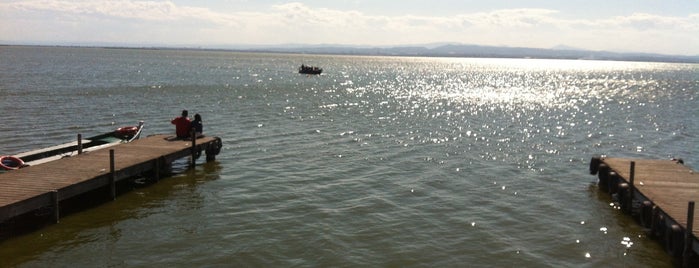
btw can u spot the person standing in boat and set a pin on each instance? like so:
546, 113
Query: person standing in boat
182, 125
197, 126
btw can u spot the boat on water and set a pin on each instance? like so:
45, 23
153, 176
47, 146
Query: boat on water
305, 69
40, 156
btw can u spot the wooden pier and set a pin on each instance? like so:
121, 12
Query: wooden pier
46, 185
660, 194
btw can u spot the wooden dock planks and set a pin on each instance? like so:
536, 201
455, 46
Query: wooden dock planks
668, 184
32, 187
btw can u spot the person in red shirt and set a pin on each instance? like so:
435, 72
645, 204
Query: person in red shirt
182, 125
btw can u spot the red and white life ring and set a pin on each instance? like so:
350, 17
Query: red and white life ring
8, 162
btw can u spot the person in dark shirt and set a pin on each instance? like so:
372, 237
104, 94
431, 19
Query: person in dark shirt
198, 126
182, 125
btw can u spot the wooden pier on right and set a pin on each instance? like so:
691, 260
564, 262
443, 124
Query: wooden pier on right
660, 194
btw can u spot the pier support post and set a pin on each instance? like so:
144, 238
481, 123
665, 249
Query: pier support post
613, 182
158, 166
603, 176
194, 148
688, 236
112, 175
594, 164
55, 203
80, 143
632, 186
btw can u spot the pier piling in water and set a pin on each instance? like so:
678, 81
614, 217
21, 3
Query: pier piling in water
688, 236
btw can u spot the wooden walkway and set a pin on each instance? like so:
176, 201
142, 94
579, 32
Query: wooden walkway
45, 185
660, 190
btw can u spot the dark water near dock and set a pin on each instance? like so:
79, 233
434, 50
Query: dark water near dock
380, 161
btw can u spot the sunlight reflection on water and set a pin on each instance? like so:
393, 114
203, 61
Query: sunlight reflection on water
510, 84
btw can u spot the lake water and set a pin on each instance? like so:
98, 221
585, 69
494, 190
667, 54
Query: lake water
379, 161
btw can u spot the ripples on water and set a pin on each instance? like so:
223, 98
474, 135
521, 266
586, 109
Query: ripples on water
380, 161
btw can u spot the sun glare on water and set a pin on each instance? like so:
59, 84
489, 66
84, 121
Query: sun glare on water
507, 84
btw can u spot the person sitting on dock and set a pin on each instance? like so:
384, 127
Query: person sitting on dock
182, 125
197, 126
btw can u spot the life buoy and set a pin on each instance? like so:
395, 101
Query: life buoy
8, 162
129, 131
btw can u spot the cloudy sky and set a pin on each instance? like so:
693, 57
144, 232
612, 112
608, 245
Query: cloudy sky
658, 26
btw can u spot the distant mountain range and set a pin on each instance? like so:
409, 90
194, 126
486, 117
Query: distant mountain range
461, 50
426, 50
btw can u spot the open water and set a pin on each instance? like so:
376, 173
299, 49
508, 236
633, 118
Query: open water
379, 161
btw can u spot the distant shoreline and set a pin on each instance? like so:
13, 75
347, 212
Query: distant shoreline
449, 51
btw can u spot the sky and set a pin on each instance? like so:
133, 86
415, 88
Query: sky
652, 26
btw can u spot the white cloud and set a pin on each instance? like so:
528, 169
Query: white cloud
124, 9
507, 18
165, 22
643, 21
